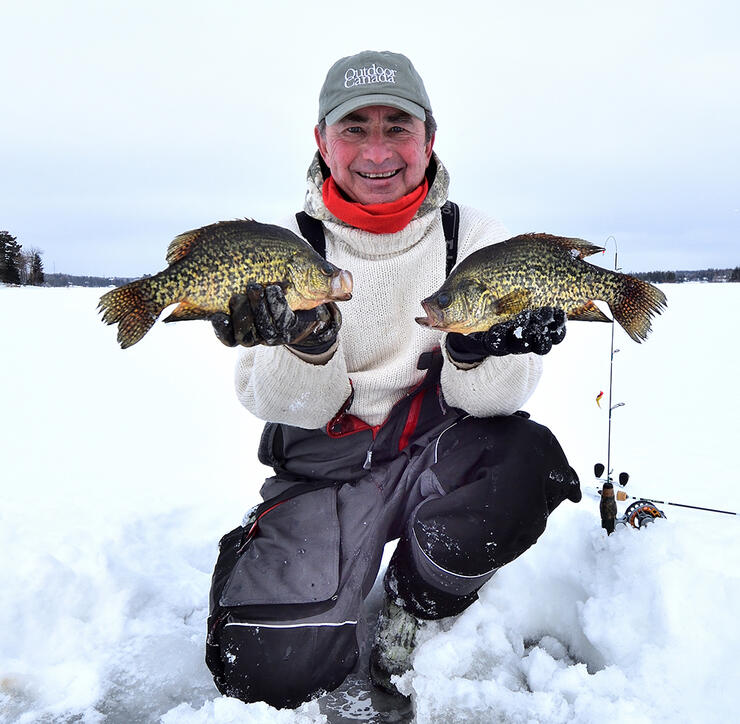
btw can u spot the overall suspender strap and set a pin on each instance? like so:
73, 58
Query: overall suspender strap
451, 226
312, 231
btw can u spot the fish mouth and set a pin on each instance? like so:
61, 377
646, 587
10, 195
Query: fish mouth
340, 286
433, 318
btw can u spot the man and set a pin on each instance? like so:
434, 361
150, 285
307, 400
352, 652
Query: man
378, 428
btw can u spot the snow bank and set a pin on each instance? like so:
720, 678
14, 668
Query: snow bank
122, 469
636, 627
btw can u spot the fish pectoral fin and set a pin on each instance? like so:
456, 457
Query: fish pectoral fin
588, 312
512, 303
186, 310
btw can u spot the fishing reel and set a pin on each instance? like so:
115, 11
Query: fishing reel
641, 513
638, 514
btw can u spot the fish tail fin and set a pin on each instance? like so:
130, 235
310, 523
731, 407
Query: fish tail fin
635, 304
132, 308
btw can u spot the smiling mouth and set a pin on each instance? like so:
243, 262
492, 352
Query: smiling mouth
383, 175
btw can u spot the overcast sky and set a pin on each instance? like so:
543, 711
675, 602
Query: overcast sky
123, 124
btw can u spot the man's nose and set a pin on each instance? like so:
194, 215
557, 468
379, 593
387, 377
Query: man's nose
376, 149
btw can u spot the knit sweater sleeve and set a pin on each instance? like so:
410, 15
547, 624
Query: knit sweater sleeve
276, 385
499, 385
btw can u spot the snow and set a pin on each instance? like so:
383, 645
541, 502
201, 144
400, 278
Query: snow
122, 469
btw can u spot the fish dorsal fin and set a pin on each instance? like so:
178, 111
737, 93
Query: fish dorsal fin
181, 245
512, 303
589, 312
580, 248
184, 243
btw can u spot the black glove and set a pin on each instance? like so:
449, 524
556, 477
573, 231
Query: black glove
262, 316
533, 330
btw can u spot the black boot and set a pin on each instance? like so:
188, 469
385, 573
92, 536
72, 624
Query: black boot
408, 598
393, 646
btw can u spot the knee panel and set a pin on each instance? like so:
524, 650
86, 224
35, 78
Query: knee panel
502, 477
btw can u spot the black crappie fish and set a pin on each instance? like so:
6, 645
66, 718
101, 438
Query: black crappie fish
498, 282
208, 265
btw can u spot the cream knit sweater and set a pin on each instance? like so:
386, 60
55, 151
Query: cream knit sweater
380, 342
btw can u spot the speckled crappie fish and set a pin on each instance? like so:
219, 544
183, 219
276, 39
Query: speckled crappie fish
498, 282
208, 265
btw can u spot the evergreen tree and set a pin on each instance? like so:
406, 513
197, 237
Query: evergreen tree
36, 275
735, 276
10, 251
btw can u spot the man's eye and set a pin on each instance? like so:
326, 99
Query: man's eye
353, 129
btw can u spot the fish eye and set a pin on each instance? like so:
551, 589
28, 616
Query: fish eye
327, 269
444, 300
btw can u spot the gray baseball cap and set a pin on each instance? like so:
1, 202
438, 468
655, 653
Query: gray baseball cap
372, 78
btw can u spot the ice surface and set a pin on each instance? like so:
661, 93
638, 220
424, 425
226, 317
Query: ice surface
122, 469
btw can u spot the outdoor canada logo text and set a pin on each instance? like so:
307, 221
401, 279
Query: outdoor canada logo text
369, 74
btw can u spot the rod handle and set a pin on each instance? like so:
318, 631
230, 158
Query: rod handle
608, 508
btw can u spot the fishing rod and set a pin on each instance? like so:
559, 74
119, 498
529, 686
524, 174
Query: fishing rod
611, 375
622, 496
608, 501
643, 510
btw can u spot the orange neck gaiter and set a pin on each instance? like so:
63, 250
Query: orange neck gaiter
376, 218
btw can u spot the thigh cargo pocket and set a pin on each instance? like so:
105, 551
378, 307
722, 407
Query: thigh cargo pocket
288, 562
273, 573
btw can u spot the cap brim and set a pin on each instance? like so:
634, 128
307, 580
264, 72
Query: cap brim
377, 99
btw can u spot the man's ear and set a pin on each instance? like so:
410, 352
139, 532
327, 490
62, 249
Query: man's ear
429, 146
320, 142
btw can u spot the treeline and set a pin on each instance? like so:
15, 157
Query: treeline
25, 266
19, 265
71, 280
696, 275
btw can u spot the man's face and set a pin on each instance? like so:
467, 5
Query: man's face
376, 154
